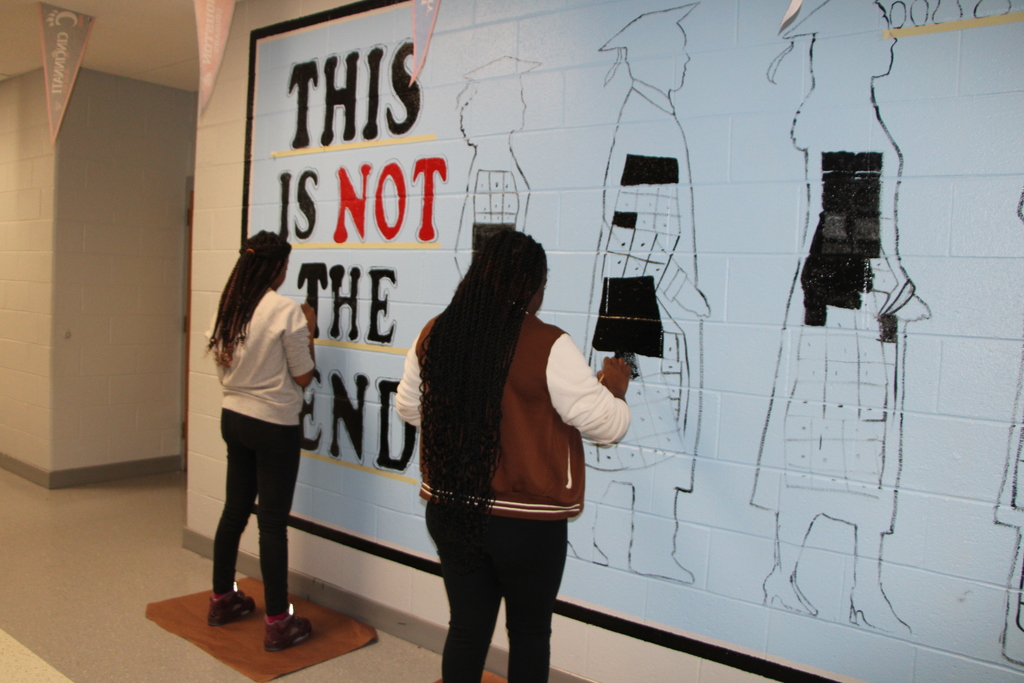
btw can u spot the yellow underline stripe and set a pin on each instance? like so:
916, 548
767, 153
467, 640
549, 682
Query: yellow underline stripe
362, 347
954, 25
355, 145
366, 245
362, 468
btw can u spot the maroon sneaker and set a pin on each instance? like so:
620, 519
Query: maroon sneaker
230, 606
286, 632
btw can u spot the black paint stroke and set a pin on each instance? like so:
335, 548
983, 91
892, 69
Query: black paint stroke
407, 91
344, 96
386, 388
629, 320
838, 270
647, 170
314, 277
344, 411
310, 443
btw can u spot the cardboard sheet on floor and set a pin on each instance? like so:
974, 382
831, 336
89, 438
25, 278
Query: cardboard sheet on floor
487, 678
240, 643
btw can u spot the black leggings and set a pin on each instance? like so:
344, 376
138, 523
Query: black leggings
523, 562
263, 458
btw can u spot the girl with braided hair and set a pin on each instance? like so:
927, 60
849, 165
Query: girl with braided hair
501, 400
263, 345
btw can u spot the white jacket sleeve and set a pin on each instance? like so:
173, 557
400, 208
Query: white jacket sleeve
579, 399
409, 394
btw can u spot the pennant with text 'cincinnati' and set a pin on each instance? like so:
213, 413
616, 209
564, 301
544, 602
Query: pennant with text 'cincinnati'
424, 15
213, 22
64, 35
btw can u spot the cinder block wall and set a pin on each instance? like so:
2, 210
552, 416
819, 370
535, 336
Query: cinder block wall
125, 155
93, 235
26, 271
946, 546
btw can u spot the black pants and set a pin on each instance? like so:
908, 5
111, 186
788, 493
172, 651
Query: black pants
523, 562
263, 458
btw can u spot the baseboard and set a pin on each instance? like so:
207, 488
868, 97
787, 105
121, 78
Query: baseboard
408, 627
78, 476
36, 475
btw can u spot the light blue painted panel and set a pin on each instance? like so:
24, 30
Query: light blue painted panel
346, 513
719, 501
589, 582
733, 556
986, 285
954, 457
710, 615
983, 70
978, 377
867, 656
967, 544
755, 218
985, 217
578, 220
940, 667
930, 603
408, 531
961, 136
757, 288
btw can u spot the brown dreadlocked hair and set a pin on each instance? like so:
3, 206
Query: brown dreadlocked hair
260, 261
466, 360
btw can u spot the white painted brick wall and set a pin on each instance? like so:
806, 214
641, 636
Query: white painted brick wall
26, 257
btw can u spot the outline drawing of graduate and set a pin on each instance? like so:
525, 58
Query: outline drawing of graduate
831, 453
1010, 512
650, 311
492, 108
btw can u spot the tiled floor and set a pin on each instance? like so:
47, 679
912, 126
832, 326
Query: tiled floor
79, 566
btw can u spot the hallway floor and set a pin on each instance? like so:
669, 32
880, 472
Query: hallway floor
80, 565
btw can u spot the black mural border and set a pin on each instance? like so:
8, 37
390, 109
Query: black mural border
626, 627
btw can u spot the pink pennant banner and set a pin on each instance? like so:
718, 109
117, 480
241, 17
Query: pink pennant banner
64, 35
424, 15
787, 19
213, 23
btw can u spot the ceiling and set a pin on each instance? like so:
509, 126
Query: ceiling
149, 40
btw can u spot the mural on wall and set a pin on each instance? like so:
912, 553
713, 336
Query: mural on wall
1010, 512
754, 499
491, 109
649, 312
838, 412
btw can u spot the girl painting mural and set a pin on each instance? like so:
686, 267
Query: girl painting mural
831, 449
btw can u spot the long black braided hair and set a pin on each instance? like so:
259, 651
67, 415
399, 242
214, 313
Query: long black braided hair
466, 360
260, 261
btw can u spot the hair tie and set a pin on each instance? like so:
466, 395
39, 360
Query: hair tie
250, 251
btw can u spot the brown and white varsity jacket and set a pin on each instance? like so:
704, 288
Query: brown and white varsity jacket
551, 397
